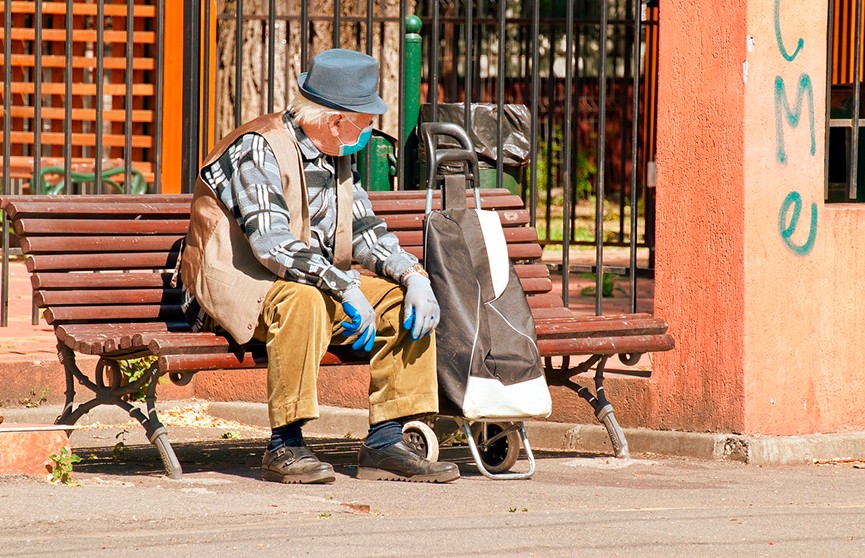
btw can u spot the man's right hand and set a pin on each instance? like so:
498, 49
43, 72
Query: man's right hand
362, 319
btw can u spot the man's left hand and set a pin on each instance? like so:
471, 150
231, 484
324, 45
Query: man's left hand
421, 309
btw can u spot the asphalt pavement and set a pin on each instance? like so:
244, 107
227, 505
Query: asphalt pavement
575, 505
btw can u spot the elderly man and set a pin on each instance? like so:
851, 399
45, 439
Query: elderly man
277, 217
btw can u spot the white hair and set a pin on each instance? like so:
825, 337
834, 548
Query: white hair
310, 112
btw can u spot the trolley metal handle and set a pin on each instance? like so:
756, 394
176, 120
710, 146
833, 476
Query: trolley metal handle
465, 154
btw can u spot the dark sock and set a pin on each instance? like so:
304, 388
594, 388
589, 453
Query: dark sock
288, 435
384, 434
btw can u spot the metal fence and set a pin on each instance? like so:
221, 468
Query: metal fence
83, 92
545, 55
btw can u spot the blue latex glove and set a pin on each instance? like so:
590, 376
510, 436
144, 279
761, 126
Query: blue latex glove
421, 310
362, 316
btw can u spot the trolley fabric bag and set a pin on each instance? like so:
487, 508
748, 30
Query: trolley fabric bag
488, 360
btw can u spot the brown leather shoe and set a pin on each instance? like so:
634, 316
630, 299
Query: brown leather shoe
400, 463
295, 465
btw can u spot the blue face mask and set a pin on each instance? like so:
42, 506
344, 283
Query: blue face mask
362, 139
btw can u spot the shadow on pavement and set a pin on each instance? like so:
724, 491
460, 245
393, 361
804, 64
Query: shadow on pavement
243, 457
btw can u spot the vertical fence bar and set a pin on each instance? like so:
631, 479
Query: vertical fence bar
468, 68
100, 104
37, 98
37, 116
369, 24
337, 20
602, 161
857, 65
304, 34
500, 96
205, 93
160, 82
830, 71
536, 83
402, 100
191, 92
7, 129
67, 100
367, 153
566, 154
7, 125
550, 133
238, 65
622, 34
434, 63
127, 124
637, 39
271, 52
4, 295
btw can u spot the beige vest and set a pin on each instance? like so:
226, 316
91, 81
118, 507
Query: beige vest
218, 265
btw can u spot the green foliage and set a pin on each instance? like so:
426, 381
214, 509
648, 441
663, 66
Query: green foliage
61, 466
134, 369
34, 400
232, 435
608, 285
119, 448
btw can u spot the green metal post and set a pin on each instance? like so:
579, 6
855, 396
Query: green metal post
411, 100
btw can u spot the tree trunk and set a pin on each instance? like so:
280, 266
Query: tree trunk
287, 53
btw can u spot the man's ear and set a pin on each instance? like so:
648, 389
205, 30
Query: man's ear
333, 123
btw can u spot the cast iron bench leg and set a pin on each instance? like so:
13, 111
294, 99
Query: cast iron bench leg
111, 394
603, 408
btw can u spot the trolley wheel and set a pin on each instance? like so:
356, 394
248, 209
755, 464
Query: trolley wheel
422, 439
502, 454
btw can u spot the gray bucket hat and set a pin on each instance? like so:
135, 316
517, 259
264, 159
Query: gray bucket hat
343, 80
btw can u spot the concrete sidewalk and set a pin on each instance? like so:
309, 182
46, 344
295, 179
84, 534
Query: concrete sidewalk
577, 504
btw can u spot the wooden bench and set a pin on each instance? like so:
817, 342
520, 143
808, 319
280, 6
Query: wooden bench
102, 265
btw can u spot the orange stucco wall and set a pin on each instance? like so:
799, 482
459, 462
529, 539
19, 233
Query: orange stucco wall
766, 301
700, 276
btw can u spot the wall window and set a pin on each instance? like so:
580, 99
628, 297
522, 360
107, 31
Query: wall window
845, 153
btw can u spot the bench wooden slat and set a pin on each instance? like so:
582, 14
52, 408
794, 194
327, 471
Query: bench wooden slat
115, 296
545, 301
163, 343
418, 205
85, 314
554, 312
223, 361
91, 244
605, 345
91, 338
229, 361
437, 195
48, 207
108, 280
65, 199
508, 218
73, 227
81, 262
515, 235
531, 270
533, 286
517, 252
585, 328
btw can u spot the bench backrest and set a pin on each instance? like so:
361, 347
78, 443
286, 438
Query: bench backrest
109, 258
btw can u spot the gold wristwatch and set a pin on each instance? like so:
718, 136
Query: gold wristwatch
415, 269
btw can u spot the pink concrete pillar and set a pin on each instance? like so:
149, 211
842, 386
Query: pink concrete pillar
700, 275
763, 284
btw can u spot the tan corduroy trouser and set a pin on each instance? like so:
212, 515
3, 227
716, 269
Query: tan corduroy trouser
298, 322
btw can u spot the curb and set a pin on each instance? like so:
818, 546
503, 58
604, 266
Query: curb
338, 422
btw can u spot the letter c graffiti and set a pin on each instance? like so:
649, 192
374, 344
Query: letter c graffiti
795, 199
799, 44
